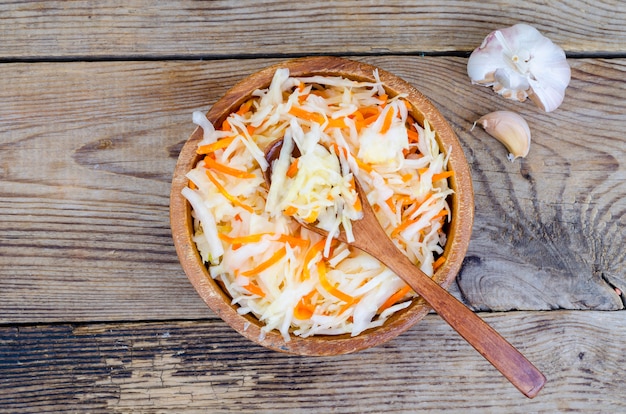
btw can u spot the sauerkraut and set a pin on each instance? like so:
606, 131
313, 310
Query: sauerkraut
291, 279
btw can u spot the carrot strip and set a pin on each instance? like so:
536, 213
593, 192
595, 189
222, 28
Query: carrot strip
391, 204
293, 168
413, 136
402, 226
439, 262
280, 253
387, 121
310, 255
226, 194
217, 145
305, 309
226, 125
245, 107
290, 211
442, 175
442, 213
214, 165
394, 298
306, 115
336, 123
254, 289
321, 271
236, 242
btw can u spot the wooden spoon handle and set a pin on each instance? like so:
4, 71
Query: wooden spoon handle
489, 343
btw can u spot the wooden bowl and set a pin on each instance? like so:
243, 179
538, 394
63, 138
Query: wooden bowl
461, 203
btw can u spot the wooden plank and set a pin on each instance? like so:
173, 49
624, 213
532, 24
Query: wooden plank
204, 366
58, 29
88, 149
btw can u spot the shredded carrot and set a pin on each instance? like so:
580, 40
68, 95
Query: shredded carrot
290, 211
226, 194
413, 136
357, 204
280, 253
250, 129
402, 226
219, 144
394, 298
439, 262
254, 289
387, 121
310, 255
312, 216
336, 123
293, 168
422, 171
226, 126
306, 115
192, 185
236, 242
245, 107
365, 167
407, 177
214, 165
321, 271
305, 309
383, 97
391, 204
442, 175
442, 213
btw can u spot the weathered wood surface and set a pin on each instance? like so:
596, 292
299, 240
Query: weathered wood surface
204, 366
82, 29
88, 150
96, 314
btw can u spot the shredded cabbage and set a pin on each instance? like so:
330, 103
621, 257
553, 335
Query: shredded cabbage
292, 279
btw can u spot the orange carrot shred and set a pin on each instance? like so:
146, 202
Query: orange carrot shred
387, 121
293, 168
219, 144
442, 175
245, 107
306, 115
321, 271
214, 165
226, 194
280, 253
439, 262
394, 298
254, 289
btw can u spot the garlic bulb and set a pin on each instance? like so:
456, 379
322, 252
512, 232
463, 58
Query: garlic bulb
510, 129
519, 62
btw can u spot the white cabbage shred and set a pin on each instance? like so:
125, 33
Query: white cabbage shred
292, 279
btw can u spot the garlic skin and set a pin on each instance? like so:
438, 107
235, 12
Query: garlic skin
519, 63
510, 129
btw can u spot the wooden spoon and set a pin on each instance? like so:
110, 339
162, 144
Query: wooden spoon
371, 238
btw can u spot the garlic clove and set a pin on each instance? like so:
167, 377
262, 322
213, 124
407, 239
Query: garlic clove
519, 62
510, 129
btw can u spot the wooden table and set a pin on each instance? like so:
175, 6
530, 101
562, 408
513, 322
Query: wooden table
96, 314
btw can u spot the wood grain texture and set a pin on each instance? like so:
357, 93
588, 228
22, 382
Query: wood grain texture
88, 149
82, 29
204, 366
